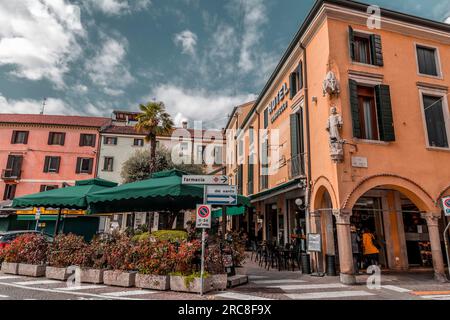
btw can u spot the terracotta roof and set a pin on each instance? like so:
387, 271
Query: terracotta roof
55, 120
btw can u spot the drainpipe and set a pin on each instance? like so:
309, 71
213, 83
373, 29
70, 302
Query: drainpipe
308, 142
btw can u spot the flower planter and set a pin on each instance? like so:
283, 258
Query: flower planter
10, 267
119, 278
219, 281
31, 270
147, 281
57, 273
188, 284
94, 276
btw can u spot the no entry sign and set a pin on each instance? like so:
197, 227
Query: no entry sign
446, 205
203, 220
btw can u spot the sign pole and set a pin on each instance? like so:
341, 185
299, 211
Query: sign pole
224, 221
446, 247
202, 270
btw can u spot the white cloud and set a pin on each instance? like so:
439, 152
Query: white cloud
196, 105
447, 20
108, 69
187, 40
118, 7
30, 106
39, 38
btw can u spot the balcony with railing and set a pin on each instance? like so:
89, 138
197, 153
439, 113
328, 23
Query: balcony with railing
11, 174
296, 166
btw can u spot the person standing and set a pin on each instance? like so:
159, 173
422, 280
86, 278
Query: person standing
356, 241
370, 251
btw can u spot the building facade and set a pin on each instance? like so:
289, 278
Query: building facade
362, 124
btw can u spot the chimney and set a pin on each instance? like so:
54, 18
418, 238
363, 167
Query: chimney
185, 124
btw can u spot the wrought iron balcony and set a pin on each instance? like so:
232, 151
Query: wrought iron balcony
296, 166
11, 174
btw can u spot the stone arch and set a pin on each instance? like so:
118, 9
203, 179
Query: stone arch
419, 196
320, 187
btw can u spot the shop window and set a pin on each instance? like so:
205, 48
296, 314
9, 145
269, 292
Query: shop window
19, 137
371, 112
56, 138
427, 61
435, 121
51, 164
10, 192
108, 164
84, 165
365, 48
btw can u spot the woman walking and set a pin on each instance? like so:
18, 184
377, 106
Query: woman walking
370, 251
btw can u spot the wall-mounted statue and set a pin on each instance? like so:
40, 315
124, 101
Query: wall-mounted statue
331, 85
334, 126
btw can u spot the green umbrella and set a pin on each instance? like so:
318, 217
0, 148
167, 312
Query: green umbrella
67, 198
163, 191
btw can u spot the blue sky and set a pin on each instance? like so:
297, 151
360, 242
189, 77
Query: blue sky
201, 57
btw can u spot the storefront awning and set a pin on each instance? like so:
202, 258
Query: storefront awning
289, 186
32, 218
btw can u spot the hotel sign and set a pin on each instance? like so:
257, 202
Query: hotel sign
274, 107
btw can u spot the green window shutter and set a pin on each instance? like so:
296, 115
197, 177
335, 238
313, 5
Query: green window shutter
295, 149
293, 85
351, 36
377, 50
300, 75
77, 169
266, 118
46, 164
354, 106
13, 137
384, 111
58, 163
63, 139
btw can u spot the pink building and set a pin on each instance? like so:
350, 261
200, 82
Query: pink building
43, 152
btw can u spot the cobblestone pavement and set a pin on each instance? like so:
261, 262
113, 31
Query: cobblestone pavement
263, 284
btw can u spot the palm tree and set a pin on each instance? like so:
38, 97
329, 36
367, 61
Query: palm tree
153, 121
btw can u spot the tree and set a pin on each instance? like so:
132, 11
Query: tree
153, 121
137, 167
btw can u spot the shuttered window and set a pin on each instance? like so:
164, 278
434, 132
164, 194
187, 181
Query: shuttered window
426, 58
56, 138
52, 164
384, 113
19, 137
87, 140
293, 84
108, 164
266, 118
435, 121
365, 48
10, 192
250, 189
300, 75
84, 165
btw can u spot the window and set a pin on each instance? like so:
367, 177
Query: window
200, 152
56, 138
427, 61
138, 142
266, 118
10, 192
48, 188
241, 147
19, 137
371, 112
435, 121
218, 155
84, 165
87, 140
366, 48
296, 80
51, 164
251, 138
110, 140
108, 164
13, 167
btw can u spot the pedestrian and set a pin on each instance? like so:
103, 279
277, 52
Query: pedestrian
370, 250
356, 241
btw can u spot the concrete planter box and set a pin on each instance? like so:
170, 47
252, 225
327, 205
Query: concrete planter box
31, 270
94, 276
119, 278
10, 267
187, 284
219, 281
148, 281
57, 273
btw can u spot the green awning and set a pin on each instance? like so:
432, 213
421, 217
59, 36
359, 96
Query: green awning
67, 198
163, 191
231, 211
32, 218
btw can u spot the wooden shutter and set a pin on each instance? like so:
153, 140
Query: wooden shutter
58, 162
82, 141
384, 111
266, 118
50, 138
25, 141
377, 50
351, 36
13, 137
293, 85
354, 106
77, 169
63, 138
300, 75
46, 164
91, 164
295, 150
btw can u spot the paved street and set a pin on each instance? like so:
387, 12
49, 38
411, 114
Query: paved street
269, 285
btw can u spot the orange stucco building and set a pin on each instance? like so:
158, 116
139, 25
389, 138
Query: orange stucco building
355, 123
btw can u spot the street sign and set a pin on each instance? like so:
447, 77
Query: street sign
203, 220
221, 195
446, 206
211, 180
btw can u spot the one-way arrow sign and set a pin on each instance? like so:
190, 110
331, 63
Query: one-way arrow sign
221, 195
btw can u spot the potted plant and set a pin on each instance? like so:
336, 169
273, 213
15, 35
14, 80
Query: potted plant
215, 267
154, 263
93, 261
185, 278
119, 256
26, 255
65, 252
